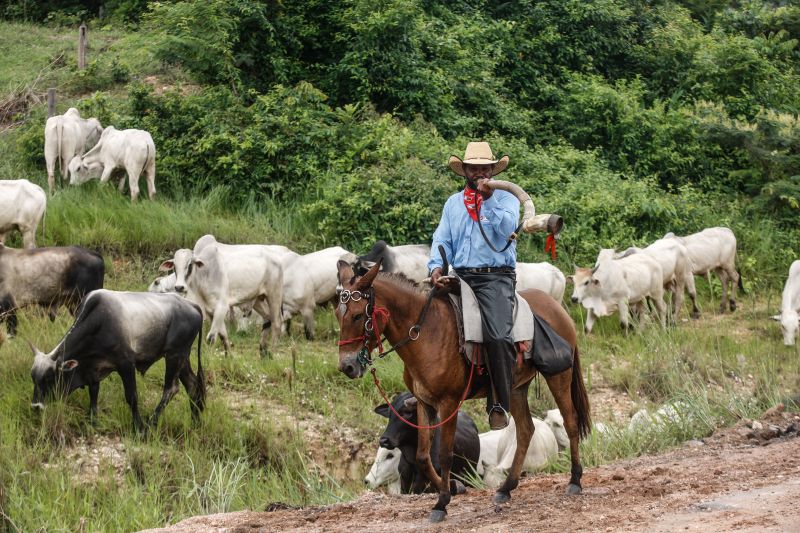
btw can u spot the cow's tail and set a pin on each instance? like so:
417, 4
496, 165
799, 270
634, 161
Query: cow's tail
740, 285
200, 399
44, 225
580, 400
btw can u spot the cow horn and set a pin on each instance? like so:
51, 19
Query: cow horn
531, 222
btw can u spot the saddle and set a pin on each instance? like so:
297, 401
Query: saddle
536, 342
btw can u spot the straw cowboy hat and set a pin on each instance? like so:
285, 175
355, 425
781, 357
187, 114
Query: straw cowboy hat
478, 153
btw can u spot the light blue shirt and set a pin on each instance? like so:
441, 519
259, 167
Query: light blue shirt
461, 237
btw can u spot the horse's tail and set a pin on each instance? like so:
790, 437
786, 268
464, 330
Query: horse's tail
580, 400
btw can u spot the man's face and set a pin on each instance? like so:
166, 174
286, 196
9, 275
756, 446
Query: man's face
476, 172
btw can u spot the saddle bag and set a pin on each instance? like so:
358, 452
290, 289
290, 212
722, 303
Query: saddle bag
551, 352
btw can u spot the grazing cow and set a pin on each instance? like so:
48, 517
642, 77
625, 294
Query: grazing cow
790, 305
411, 260
22, 206
217, 276
67, 136
124, 332
615, 284
385, 470
132, 150
48, 277
398, 434
676, 267
543, 447
543, 276
714, 249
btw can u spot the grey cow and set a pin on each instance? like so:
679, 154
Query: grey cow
124, 332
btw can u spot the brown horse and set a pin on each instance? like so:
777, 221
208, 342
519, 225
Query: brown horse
436, 373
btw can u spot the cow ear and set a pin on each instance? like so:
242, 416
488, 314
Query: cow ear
345, 271
411, 403
366, 281
69, 365
383, 410
166, 266
570, 279
595, 281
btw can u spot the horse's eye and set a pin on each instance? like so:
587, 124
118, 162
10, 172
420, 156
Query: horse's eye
358, 317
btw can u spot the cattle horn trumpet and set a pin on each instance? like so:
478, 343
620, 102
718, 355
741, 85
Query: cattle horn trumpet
531, 222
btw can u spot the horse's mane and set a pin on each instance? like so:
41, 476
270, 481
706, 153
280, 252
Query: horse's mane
400, 280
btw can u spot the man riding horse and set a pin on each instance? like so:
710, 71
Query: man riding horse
474, 230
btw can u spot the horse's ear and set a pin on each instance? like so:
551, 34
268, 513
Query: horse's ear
383, 410
345, 272
366, 280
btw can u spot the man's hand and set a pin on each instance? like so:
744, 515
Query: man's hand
435, 278
485, 191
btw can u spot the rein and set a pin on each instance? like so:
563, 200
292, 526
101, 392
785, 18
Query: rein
511, 238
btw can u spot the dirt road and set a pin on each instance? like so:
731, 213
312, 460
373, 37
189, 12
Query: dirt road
739, 479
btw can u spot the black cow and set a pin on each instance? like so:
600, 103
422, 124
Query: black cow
398, 434
124, 332
48, 277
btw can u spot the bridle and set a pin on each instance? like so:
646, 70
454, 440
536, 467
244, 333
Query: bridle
372, 330
372, 325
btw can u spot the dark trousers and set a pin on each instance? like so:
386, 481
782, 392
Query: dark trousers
495, 294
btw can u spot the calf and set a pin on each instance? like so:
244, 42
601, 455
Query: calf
399, 435
217, 276
714, 250
542, 448
48, 277
385, 470
67, 136
615, 284
22, 206
411, 260
790, 305
124, 332
543, 276
132, 150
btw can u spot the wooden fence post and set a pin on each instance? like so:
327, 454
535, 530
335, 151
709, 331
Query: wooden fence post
51, 102
82, 47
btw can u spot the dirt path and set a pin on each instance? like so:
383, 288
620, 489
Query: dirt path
740, 479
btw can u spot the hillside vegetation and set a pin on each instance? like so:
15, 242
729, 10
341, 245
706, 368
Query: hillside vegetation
314, 124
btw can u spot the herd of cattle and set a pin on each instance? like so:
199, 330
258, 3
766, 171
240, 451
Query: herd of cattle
128, 331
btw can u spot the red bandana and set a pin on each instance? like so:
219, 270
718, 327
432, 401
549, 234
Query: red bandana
469, 201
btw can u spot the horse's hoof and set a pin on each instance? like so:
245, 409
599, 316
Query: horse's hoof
456, 487
501, 497
437, 516
573, 489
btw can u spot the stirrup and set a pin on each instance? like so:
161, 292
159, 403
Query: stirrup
498, 417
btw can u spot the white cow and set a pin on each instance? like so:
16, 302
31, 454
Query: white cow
790, 305
714, 250
676, 268
543, 447
543, 276
217, 276
241, 315
411, 260
385, 470
132, 150
67, 136
554, 419
616, 284
22, 206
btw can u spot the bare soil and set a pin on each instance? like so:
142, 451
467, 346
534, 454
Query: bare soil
743, 478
